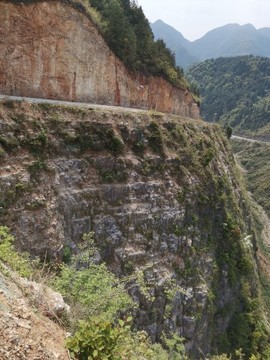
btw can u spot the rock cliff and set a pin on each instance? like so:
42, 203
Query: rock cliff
161, 194
51, 49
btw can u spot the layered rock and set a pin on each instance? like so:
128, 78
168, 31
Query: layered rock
160, 193
51, 49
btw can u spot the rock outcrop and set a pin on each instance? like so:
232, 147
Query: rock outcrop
161, 194
51, 49
26, 331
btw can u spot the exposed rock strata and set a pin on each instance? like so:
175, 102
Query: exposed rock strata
49, 49
156, 190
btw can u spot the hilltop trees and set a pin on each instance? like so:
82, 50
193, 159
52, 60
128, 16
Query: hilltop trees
235, 91
129, 35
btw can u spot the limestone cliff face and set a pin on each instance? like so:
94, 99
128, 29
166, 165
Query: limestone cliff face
50, 49
160, 194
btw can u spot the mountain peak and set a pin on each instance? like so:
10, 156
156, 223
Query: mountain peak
169, 34
227, 40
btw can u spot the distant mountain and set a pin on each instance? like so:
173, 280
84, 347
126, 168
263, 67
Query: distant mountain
174, 41
265, 32
166, 32
228, 40
235, 91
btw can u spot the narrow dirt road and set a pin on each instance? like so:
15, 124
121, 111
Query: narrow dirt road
250, 140
70, 103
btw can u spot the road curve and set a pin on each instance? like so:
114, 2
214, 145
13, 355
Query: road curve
70, 103
250, 140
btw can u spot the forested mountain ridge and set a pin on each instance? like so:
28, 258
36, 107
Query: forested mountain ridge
235, 91
225, 41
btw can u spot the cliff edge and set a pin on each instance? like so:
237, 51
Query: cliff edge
51, 49
162, 195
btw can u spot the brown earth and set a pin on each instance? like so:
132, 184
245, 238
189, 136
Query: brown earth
25, 332
49, 49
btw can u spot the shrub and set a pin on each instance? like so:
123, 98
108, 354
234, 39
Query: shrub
91, 289
19, 262
155, 139
102, 340
96, 339
36, 167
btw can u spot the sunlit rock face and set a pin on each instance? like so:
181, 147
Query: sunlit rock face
158, 191
51, 49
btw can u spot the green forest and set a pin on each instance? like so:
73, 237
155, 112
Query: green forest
128, 33
235, 91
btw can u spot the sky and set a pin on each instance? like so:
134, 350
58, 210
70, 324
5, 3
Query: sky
194, 18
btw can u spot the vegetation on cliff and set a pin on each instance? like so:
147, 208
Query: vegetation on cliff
235, 91
98, 315
254, 158
128, 33
161, 194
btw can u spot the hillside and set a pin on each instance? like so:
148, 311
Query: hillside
225, 41
235, 92
56, 51
140, 219
254, 158
161, 194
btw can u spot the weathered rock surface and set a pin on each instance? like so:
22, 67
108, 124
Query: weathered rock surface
51, 49
156, 190
25, 332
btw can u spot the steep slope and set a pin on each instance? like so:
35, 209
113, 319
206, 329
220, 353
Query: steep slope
235, 91
228, 40
161, 194
26, 330
51, 49
254, 158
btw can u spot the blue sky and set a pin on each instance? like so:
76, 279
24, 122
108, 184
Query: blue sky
193, 18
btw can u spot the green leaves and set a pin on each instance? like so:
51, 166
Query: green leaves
102, 340
17, 261
129, 35
91, 289
235, 91
96, 290
95, 339
98, 298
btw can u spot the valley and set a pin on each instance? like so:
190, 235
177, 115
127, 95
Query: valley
127, 230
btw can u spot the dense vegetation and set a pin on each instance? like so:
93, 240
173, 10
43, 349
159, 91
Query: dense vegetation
100, 320
128, 33
235, 91
99, 302
254, 158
